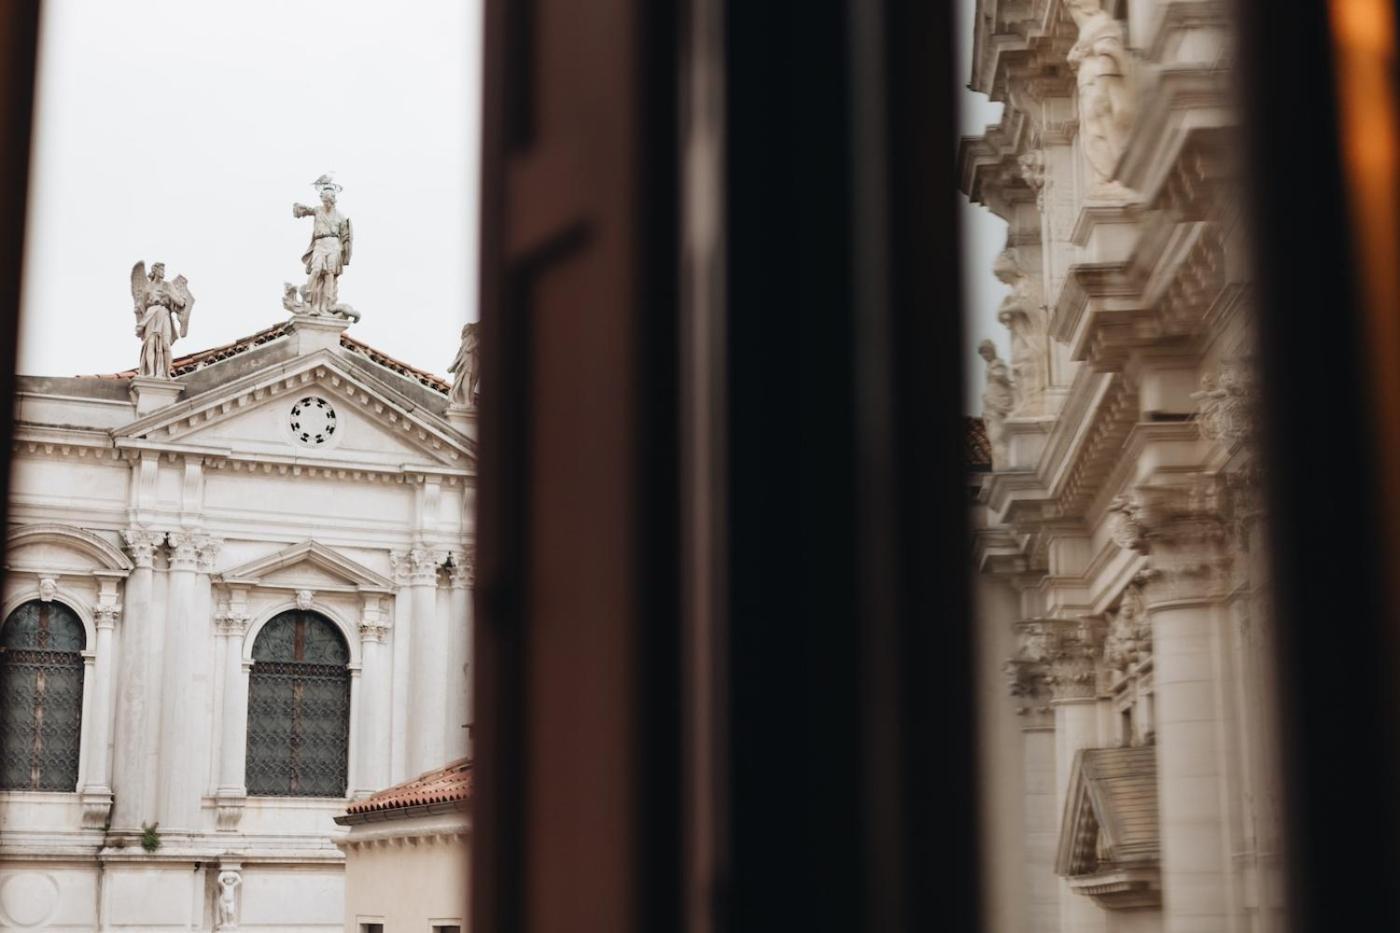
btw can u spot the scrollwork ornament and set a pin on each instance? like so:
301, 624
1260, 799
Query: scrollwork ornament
142, 544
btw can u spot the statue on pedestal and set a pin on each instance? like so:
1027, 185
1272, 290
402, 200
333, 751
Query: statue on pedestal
997, 401
466, 368
325, 258
1104, 77
159, 305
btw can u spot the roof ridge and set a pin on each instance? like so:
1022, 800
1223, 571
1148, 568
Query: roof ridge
192, 362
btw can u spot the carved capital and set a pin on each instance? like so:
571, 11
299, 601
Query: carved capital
423, 566
463, 568
400, 568
1183, 533
373, 632
106, 617
232, 624
184, 549
141, 544
206, 549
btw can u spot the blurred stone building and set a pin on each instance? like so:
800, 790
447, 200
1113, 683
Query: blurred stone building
1130, 774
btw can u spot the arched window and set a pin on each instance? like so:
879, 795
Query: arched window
298, 708
41, 697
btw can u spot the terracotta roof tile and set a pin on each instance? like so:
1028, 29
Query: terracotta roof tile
185, 365
450, 784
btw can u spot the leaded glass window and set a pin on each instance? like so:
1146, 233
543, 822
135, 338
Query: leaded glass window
298, 708
41, 697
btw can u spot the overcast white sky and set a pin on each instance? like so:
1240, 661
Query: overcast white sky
984, 234
179, 131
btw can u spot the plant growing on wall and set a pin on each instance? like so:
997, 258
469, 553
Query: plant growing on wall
150, 839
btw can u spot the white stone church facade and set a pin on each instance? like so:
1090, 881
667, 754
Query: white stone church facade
1130, 776
233, 602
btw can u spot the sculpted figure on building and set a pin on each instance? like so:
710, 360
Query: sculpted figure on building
327, 255
465, 368
1104, 78
998, 399
159, 306
1023, 316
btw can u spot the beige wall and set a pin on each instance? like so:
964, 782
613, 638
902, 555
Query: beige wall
408, 874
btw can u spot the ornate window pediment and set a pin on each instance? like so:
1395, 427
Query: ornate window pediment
1109, 839
309, 563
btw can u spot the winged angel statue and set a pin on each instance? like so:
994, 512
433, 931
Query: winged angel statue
159, 305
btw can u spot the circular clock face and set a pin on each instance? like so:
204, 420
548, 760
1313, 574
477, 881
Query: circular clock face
312, 421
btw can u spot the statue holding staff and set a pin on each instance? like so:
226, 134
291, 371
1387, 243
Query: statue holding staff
329, 252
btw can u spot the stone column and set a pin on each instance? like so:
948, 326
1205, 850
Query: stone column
232, 791
1178, 526
1029, 679
400, 638
427, 725
181, 784
463, 672
372, 773
138, 690
97, 732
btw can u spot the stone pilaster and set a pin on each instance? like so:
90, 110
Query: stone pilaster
136, 730
376, 682
231, 793
182, 781
400, 640
427, 726
1028, 679
459, 673
96, 793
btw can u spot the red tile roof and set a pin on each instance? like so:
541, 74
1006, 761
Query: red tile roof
452, 784
184, 365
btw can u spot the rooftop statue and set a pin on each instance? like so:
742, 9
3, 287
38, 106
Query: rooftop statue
159, 305
325, 258
465, 368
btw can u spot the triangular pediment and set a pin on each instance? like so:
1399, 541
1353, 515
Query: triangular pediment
375, 424
309, 565
1110, 815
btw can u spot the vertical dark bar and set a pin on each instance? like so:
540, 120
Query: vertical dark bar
498, 769
1337, 627
933, 832
793, 641
19, 37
